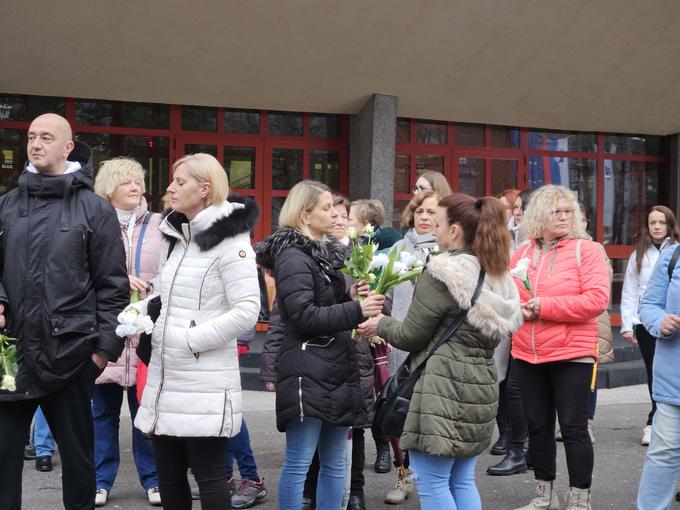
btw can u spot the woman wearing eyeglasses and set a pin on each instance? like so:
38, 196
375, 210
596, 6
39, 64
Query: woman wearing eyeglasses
556, 347
432, 181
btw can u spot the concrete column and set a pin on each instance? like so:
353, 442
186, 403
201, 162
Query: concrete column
674, 174
372, 140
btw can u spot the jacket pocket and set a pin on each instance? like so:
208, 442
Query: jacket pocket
227, 413
67, 324
73, 340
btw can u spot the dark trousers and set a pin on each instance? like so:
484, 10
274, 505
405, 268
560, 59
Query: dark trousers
69, 414
240, 449
206, 456
647, 344
564, 387
515, 406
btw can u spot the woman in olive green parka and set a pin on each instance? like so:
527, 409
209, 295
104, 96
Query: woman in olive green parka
453, 408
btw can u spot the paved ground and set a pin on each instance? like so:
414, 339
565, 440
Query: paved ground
618, 461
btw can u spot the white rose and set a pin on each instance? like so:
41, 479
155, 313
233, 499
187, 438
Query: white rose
352, 233
368, 230
8, 383
379, 261
126, 330
128, 316
520, 269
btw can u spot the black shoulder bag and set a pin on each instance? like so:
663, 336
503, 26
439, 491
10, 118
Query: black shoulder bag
391, 406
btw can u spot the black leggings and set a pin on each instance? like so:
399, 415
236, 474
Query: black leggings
206, 456
561, 386
647, 344
515, 405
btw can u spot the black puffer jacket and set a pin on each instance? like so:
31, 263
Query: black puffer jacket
317, 372
64, 279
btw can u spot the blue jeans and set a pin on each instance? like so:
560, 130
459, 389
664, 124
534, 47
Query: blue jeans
662, 463
239, 447
42, 436
302, 438
106, 402
444, 482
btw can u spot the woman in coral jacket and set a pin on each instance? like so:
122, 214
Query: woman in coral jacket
556, 347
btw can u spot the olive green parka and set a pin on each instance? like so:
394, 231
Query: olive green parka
453, 408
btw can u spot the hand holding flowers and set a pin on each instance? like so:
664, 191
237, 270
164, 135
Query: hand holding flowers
532, 307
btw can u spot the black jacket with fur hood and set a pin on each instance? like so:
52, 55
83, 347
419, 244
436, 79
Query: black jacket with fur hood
317, 371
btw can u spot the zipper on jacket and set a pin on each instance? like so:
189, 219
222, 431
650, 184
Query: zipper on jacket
533, 329
227, 398
302, 412
162, 370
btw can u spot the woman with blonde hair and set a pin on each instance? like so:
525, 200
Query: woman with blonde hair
209, 291
120, 181
432, 181
556, 347
318, 391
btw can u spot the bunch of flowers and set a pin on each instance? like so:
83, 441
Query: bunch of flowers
381, 271
131, 322
8, 363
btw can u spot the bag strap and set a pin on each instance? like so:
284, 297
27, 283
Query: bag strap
138, 251
457, 322
673, 262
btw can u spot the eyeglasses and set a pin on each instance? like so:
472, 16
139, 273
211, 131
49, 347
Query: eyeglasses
420, 189
558, 213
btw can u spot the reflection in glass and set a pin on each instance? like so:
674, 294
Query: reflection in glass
504, 137
241, 121
402, 173
471, 135
122, 114
403, 130
398, 207
324, 166
431, 131
195, 148
277, 204
644, 145
324, 126
563, 141
286, 168
471, 176
151, 152
427, 162
577, 174
12, 157
239, 163
285, 124
199, 118
619, 269
630, 188
503, 175
21, 107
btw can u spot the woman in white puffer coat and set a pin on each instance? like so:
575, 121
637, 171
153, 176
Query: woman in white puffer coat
207, 281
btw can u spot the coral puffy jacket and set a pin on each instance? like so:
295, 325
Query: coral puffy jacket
572, 295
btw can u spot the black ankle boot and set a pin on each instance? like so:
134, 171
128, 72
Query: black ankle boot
513, 463
356, 502
501, 446
383, 461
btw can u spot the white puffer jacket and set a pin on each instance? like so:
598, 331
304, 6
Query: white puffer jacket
210, 295
635, 284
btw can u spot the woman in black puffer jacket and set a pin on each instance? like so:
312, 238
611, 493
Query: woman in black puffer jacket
318, 395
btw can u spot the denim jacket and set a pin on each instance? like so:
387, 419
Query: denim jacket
661, 298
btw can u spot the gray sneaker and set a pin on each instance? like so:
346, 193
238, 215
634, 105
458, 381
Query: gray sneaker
248, 492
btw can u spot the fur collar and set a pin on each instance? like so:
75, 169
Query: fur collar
497, 312
241, 219
330, 255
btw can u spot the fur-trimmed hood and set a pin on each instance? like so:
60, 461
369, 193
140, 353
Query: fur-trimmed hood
330, 255
497, 312
214, 224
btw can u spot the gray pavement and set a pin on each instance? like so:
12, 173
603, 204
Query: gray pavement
620, 417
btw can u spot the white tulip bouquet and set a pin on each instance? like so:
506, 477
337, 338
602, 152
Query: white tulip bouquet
8, 363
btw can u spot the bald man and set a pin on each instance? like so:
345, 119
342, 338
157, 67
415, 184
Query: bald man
63, 282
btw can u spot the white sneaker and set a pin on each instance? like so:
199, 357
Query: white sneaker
154, 496
100, 497
646, 435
